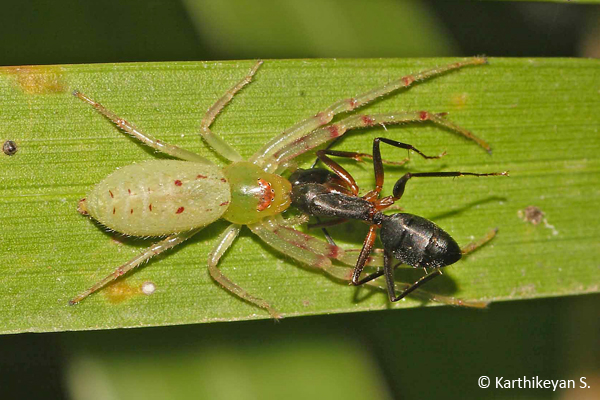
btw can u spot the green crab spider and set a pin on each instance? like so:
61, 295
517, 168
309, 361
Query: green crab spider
178, 198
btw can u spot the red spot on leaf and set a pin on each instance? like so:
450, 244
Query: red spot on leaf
423, 115
223, 204
178, 183
223, 180
407, 80
179, 210
131, 212
129, 191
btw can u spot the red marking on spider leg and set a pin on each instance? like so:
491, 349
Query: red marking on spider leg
367, 120
111, 194
131, 212
299, 245
178, 183
129, 191
150, 207
407, 80
322, 117
333, 130
223, 204
352, 102
114, 210
333, 251
423, 115
179, 210
223, 180
201, 176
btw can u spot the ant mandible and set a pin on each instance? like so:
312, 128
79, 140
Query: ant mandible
408, 238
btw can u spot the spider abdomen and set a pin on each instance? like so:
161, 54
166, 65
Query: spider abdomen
159, 197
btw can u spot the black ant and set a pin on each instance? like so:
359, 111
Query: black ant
408, 238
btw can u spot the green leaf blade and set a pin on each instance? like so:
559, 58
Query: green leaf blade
539, 115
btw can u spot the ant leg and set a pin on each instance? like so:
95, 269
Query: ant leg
401, 183
389, 279
377, 162
364, 255
215, 141
359, 157
225, 241
329, 146
155, 249
371, 277
339, 171
389, 270
300, 137
333, 131
148, 140
325, 232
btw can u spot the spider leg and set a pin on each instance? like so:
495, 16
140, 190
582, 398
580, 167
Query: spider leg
471, 247
148, 140
307, 249
214, 140
268, 158
336, 130
155, 249
225, 240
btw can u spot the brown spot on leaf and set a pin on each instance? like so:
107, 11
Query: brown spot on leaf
37, 79
119, 292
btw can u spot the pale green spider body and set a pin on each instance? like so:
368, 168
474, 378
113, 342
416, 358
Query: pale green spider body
159, 197
178, 198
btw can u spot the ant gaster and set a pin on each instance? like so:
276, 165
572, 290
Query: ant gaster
408, 238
